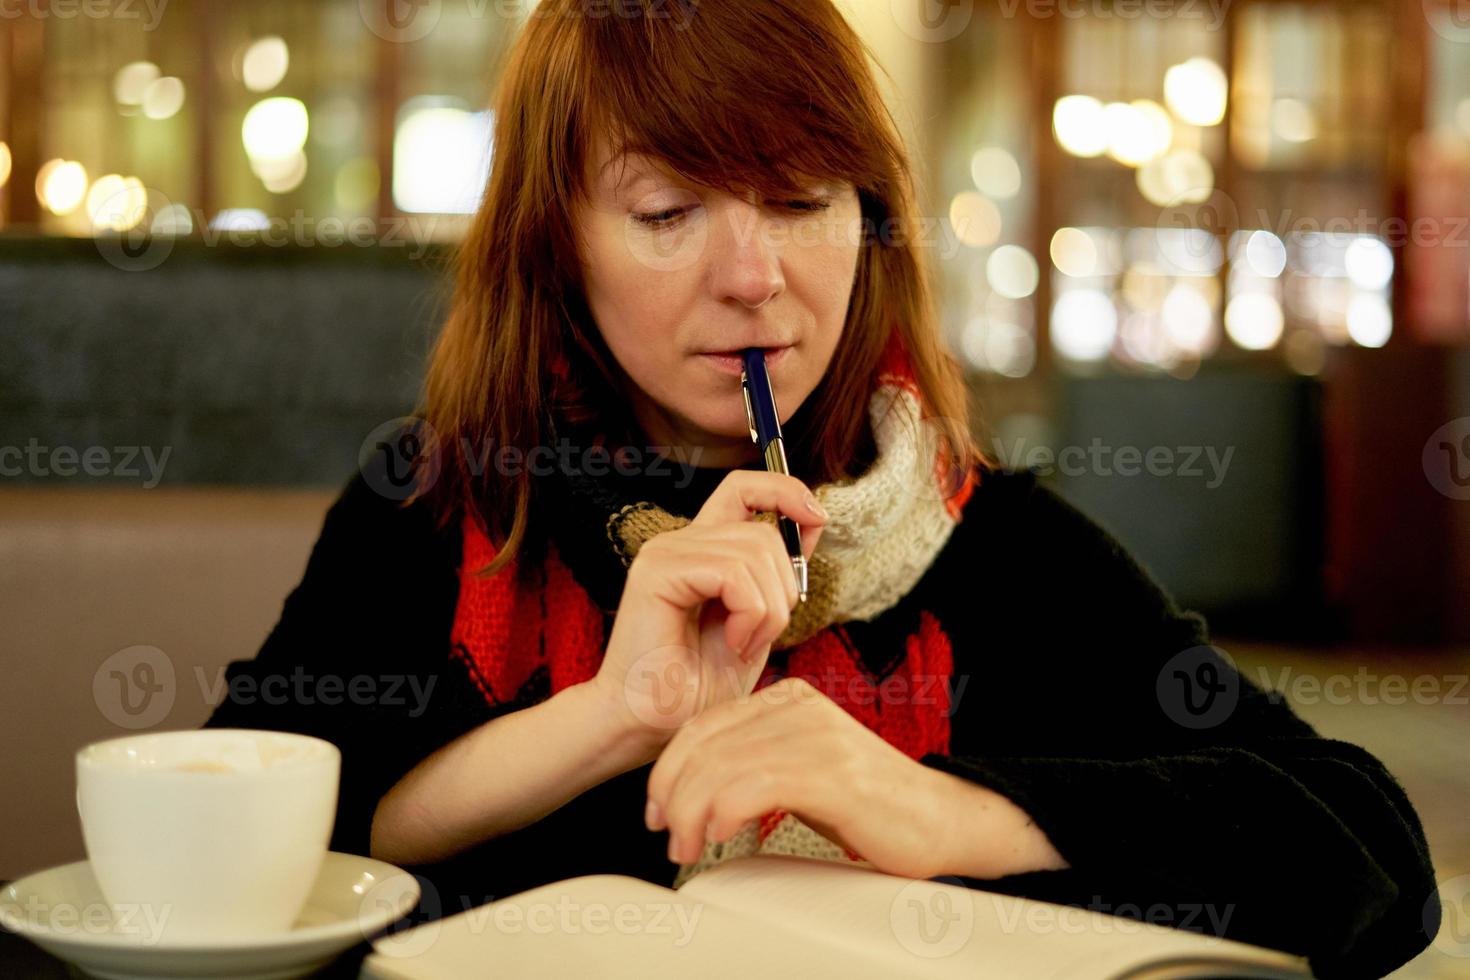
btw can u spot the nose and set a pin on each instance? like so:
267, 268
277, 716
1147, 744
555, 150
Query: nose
746, 260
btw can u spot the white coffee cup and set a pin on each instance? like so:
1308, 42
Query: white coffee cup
212, 834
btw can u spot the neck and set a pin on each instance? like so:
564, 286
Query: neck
687, 444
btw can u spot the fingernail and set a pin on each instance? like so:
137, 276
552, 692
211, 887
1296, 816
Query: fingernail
674, 848
752, 646
814, 507
651, 815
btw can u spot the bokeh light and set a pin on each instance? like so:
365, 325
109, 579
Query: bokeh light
61, 185
995, 172
1083, 324
1181, 177
441, 159
132, 80
1073, 252
1254, 321
1012, 272
116, 203
163, 97
1079, 125
265, 63
1197, 91
975, 219
275, 128
1137, 131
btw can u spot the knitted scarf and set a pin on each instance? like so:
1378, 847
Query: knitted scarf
523, 640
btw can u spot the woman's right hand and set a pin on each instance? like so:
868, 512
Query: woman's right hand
702, 604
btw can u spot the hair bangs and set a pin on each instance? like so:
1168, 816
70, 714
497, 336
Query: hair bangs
732, 99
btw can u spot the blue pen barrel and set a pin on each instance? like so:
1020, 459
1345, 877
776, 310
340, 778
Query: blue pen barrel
789, 534
762, 399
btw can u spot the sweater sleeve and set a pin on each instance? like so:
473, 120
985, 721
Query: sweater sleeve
1173, 785
359, 654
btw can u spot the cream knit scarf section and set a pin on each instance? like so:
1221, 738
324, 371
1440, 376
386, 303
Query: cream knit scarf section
885, 529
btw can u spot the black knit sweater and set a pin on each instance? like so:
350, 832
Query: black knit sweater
1080, 690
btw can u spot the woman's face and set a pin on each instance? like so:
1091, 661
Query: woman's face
680, 277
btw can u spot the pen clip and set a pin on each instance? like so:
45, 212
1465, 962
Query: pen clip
749, 411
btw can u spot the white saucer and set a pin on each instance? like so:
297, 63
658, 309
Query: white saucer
62, 911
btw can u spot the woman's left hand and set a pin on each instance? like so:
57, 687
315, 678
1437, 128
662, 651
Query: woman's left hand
790, 747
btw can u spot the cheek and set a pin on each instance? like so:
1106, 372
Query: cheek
631, 306
831, 272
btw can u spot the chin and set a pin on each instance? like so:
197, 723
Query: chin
725, 423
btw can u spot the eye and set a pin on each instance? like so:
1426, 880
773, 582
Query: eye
660, 219
670, 216
810, 205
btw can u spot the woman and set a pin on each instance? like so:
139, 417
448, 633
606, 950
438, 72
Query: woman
599, 658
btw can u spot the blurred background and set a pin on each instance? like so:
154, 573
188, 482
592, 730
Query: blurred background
1206, 262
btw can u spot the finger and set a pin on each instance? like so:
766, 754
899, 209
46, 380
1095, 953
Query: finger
786, 574
722, 756
766, 760
778, 582
746, 622
737, 781
810, 535
761, 538
746, 492
686, 575
690, 740
773, 567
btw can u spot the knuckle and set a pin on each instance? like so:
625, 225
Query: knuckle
694, 728
798, 688
747, 570
740, 479
654, 546
780, 613
677, 817
725, 811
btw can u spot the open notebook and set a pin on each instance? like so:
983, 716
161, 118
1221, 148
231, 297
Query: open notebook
776, 916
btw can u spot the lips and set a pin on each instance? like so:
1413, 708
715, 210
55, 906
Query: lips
731, 362
737, 351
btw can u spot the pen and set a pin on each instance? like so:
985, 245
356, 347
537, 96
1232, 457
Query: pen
765, 432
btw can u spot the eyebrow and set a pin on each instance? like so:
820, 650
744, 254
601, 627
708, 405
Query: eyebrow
641, 172
616, 157
612, 160
633, 166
